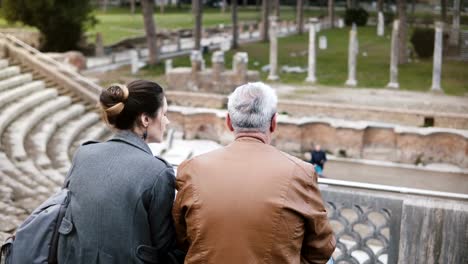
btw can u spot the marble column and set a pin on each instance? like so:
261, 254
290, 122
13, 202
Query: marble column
217, 62
134, 61
167, 65
273, 76
380, 25
178, 41
455, 32
240, 66
251, 30
99, 49
394, 57
437, 68
352, 57
196, 60
311, 78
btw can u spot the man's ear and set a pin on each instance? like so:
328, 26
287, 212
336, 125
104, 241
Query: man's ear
229, 122
273, 124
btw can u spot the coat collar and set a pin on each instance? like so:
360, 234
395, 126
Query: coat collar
252, 136
133, 139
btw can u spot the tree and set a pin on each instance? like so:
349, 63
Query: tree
223, 6
150, 29
331, 12
402, 36
235, 26
197, 12
443, 10
277, 6
380, 5
132, 6
300, 16
265, 21
161, 6
104, 5
61, 23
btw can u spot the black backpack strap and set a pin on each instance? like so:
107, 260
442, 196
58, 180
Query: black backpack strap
148, 254
52, 259
6, 248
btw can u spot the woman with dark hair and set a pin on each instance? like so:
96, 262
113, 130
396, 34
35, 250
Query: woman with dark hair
121, 195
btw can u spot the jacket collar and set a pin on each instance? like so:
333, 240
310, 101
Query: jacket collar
252, 136
133, 139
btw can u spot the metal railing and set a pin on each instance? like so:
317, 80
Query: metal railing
394, 189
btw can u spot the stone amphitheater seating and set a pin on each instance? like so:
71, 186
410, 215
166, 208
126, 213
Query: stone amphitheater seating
22, 126
15, 81
39, 124
67, 135
41, 138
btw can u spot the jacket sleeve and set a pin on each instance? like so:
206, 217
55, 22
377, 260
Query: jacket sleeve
162, 198
319, 241
183, 202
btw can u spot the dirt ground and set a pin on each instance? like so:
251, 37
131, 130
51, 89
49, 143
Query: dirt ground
387, 98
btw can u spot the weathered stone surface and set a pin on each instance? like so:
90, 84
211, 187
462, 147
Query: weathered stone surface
216, 80
76, 59
433, 232
342, 138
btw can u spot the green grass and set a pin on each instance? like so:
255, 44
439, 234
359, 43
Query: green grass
372, 70
118, 23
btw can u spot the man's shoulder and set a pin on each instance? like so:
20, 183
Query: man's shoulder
300, 164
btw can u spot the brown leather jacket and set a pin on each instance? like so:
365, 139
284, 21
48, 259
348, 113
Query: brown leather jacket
251, 203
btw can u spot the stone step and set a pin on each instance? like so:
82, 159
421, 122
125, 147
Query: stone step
15, 81
13, 94
5, 193
23, 105
9, 72
65, 137
29, 169
17, 185
4, 63
96, 133
40, 139
22, 126
8, 209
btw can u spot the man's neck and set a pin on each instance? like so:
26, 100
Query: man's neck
263, 137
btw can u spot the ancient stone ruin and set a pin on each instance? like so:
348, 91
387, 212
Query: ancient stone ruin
217, 79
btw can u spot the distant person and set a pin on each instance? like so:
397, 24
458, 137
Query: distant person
121, 195
248, 202
318, 157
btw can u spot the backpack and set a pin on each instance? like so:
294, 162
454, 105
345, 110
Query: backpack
36, 239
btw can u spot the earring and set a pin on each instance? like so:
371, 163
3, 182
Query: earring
145, 134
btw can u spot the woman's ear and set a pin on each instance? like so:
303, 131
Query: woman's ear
144, 120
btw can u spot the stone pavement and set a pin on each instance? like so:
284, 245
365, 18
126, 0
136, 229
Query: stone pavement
393, 99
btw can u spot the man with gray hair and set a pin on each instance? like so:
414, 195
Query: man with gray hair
249, 202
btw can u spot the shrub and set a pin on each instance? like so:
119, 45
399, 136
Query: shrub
423, 42
61, 23
358, 16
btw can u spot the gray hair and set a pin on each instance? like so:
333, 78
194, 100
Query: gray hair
251, 107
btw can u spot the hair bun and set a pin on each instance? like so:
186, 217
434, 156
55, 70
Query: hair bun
118, 95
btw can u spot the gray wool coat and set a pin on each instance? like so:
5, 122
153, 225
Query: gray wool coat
121, 202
